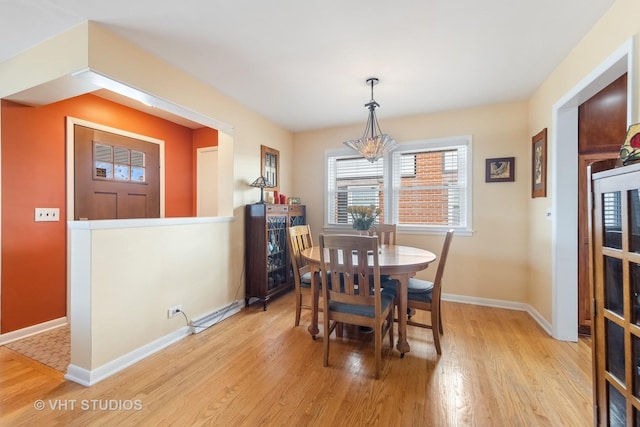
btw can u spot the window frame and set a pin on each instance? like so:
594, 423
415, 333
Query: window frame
390, 199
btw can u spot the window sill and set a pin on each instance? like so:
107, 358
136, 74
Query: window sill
401, 229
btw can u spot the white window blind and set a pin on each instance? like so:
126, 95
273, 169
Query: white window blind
612, 211
353, 181
419, 185
435, 194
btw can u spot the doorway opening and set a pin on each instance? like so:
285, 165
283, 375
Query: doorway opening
564, 182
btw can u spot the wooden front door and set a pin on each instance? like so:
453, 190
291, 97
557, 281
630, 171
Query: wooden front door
116, 177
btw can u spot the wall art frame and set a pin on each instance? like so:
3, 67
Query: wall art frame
539, 164
270, 166
500, 169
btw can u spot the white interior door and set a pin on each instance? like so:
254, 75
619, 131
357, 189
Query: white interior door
207, 181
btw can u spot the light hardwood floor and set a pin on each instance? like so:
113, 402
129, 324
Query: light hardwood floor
498, 368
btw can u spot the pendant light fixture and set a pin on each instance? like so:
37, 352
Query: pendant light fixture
374, 144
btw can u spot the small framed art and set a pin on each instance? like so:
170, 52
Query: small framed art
501, 169
270, 159
539, 164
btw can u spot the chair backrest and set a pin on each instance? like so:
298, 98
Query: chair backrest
299, 239
351, 264
386, 233
437, 283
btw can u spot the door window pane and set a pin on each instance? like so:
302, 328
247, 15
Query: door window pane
617, 407
613, 298
118, 163
634, 220
636, 365
615, 350
634, 279
612, 220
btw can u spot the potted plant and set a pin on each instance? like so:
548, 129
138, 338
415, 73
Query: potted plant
363, 216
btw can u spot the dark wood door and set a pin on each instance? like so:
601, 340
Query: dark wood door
116, 177
602, 125
588, 164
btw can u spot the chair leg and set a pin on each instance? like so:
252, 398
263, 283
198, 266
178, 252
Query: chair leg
435, 321
378, 349
325, 340
440, 319
390, 320
298, 307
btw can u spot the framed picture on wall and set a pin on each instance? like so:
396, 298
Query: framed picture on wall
270, 159
501, 169
539, 164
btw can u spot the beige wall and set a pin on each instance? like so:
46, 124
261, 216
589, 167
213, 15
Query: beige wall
492, 263
617, 26
129, 272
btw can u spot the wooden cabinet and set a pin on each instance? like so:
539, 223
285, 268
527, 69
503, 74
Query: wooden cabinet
616, 324
268, 264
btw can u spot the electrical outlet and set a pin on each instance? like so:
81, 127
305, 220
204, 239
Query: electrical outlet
47, 214
173, 311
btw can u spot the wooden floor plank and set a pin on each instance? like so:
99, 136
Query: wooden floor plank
498, 367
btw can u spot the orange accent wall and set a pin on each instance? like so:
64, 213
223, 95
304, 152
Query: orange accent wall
33, 254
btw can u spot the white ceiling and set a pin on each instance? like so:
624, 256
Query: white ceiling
303, 63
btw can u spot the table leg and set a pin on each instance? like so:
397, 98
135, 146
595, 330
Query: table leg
315, 296
403, 345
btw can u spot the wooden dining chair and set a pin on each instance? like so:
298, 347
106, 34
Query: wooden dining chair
299, 238
386, 233
345, 261
426, 295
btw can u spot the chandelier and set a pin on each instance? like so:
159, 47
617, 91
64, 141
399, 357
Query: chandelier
374, 144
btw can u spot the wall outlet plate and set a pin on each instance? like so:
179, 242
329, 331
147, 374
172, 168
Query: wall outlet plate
47, 214
174, 311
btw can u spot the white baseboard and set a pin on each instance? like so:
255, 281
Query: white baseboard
208, 320
510, 305
32, 330
88, 378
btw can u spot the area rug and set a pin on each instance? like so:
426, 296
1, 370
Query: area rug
53, 347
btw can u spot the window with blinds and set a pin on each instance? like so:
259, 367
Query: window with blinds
118, 163
354, 181
422, 184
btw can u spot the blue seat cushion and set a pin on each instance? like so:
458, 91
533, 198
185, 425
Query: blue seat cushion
305, 280
422, 293
383, 279
361, 310
417, 285
420, 296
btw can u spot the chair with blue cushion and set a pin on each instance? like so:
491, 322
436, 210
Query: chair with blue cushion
386, 233
347, 260
386, 236
299, 238
425, 295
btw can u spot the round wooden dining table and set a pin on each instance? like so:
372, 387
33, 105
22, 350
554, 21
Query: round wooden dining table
398, 262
